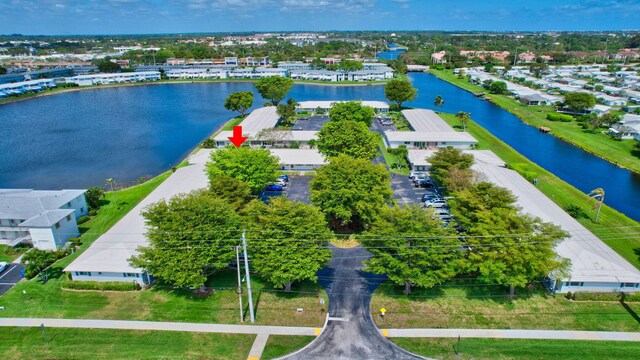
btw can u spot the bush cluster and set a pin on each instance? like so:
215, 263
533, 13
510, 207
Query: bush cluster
102, 286
559, 117
83, 219
524, 170
618, 296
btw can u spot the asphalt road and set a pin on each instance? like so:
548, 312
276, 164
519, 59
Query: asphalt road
313, 123
350, 332
10, 277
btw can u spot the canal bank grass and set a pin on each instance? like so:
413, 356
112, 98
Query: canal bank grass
67, 343
281, 345
614, 228
8, 253
623, 153
521, 349
468, 305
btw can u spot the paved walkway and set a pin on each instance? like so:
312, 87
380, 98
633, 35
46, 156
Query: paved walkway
514, 334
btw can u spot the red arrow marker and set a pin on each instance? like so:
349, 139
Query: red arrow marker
237, 139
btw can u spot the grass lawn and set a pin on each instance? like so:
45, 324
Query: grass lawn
467, 305
521, 349
394, 160
280, 345
62, 343
615, 229
231, 123
8, 253
624, 153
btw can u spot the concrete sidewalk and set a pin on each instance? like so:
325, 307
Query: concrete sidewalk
158, 325
513, 334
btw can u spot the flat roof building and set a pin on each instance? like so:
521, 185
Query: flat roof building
326, 105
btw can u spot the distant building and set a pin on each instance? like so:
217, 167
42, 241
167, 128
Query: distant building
295, 65
115, 78
429, 132
23, 87
196, 73
439, 57
45, 219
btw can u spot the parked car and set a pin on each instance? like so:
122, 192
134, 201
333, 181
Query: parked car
442, 215
274, 187
3, 266
430, 196
413, 174
281, 182
284, 177
425, 183
436, 203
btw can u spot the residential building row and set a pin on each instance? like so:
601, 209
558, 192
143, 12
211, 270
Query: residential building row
44, 219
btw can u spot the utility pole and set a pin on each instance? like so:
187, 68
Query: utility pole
239, 291
246, 271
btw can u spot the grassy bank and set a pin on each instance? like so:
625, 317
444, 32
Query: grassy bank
8, 253
62, 343
522, 349
625, 153
615, 229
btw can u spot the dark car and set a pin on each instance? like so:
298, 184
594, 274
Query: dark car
274, 187
427, 184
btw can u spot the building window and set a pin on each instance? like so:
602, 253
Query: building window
81, 209
68, 217
83, 273
574, 283
628, 285
57, 225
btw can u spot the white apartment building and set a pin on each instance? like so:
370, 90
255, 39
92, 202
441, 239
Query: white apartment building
115, 78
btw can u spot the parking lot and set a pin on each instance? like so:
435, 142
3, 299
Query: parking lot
379, 128
404, 191
298, 188
313, 123
10, 277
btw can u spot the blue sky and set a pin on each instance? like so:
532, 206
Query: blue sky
63, 17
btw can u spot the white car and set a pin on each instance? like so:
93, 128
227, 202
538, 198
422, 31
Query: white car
3, 266
436, 203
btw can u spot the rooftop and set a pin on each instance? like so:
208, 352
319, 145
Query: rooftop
426, 121
47, 219
299, 156
26, 203
329, 104
451, 136
259, 119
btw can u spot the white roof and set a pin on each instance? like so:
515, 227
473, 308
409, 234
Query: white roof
591, 259
420, 157
286, 135
329, 104
426, 120
261, 118
451, 136
112, 250
299, 156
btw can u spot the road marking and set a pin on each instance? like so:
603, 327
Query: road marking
8, 284
338, 319
317, 331
385, 332
11, 268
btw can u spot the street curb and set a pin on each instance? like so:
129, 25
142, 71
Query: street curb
326, 321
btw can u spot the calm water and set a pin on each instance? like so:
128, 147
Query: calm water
580, 169
77, 140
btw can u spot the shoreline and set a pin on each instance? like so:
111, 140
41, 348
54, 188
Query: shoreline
568, 141
165, 82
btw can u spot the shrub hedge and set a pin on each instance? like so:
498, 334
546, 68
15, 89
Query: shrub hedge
559, 117
83, 219
586, 296
102, 286
524, 170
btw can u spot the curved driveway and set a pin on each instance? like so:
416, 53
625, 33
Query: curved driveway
350, 332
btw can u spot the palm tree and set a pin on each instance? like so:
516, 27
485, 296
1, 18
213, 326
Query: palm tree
438, 101
111, 182
598, 195
464, 118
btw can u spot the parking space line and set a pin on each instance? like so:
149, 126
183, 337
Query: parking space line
11, 268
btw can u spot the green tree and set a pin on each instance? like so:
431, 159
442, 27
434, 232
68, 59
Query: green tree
438, 101
610, 119
447, 158
349, 65
411, 248
505, 247
538, 69
93, 196
190, 237
398, 66
108, 66
351, 111
399, 91
498, 87
598, 196
287, 111
288, 241
255, 167
234, 191
239, 101
111, 182
318, 64
595, 122
274, 88
350, 191
464, 118
349, 138
578, 101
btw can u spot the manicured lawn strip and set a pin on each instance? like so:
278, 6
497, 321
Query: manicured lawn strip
614, 228
521, 349
161, 304
617, 152
63, 343
280, 345
230, 124
391, 159
459, 304
8, 253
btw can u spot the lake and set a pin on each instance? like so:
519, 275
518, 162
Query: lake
79, 139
